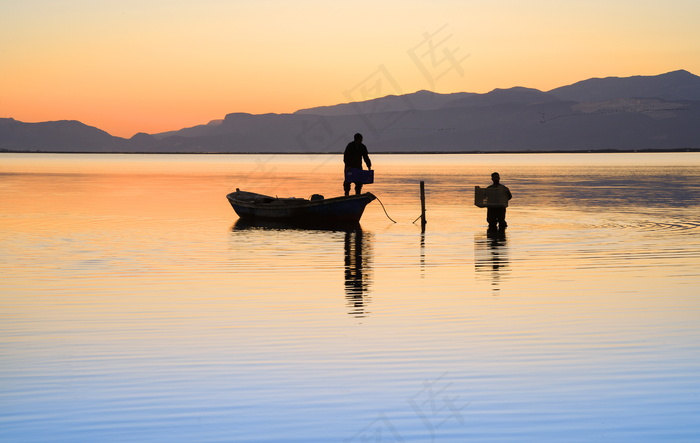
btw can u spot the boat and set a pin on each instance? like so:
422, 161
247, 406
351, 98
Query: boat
314, 210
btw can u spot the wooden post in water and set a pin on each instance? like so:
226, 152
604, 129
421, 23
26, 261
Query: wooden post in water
423, 221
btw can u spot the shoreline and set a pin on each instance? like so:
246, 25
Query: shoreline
554, 151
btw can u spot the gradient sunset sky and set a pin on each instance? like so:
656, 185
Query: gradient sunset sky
157, 65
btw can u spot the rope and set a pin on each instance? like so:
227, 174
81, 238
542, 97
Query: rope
387, 214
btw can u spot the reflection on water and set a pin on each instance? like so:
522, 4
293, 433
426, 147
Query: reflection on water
358, 262
422, 251
299, 225
491, 256
135, 307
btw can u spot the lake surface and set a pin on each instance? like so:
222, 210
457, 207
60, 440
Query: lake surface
134, 307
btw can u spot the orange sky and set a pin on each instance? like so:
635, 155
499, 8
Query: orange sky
155, 65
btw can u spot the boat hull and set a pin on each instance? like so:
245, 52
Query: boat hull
347, 209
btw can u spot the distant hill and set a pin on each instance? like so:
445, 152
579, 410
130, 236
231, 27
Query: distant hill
512, 96
676, 85
421, 100
194, 131
633, 113
64, 135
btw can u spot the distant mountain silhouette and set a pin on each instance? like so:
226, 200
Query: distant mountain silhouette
421, 100
517, 95
64, 135
194, 131
676, 85
634, 113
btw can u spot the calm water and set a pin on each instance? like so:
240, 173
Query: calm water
134, 308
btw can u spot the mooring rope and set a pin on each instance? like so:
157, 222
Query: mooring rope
387, 214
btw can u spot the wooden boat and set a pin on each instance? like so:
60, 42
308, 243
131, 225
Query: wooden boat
315, 210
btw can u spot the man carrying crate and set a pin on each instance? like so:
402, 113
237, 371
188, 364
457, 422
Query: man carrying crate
495, 199
355, 152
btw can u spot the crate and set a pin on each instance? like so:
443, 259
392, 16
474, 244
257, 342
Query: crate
490, 197
355, 175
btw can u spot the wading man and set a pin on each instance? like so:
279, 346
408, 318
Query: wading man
496, 215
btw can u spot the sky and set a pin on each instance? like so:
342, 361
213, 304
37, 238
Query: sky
152, 66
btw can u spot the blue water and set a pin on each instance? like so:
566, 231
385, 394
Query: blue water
134, 308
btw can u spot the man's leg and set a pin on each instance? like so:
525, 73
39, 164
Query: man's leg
502, 219
358, 188
492, 217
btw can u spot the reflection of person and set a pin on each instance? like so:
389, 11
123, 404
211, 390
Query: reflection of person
496, 216
355, 152
357, 277
491, 258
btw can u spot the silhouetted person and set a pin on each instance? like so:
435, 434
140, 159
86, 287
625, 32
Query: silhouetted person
496, 216
355, 152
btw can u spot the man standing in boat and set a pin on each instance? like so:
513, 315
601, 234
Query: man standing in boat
355, 152
496, 215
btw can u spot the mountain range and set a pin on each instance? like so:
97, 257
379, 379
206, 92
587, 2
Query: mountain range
659, 112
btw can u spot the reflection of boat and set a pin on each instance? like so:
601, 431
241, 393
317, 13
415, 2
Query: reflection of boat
280, 225
317, 209
358, 252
